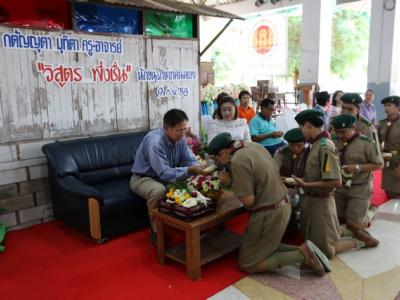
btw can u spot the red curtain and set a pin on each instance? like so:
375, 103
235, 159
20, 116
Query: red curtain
36, 13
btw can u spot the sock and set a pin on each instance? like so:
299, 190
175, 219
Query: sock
345, 232
359, 244
370, 215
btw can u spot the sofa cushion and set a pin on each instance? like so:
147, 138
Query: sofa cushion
125, 146
118, 198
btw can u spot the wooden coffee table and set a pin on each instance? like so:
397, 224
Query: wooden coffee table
198, 250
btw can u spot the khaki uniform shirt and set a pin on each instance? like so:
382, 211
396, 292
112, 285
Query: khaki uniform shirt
319, 220
322, 163
392, 144
288, 163
367, 128
253, 172
361, 150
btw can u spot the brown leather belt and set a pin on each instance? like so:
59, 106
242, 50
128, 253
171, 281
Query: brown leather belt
272, 206
318, 194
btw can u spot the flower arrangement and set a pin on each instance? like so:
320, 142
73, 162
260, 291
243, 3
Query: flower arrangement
198, 148
191, 198
204, 184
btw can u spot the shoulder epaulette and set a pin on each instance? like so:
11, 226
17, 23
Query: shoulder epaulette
365, 138
382, 121
323, 141
365, 121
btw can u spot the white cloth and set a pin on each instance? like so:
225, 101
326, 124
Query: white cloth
237, 128
286, 121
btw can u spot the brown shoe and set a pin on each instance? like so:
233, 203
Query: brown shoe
366, 237
362, 235
312, 261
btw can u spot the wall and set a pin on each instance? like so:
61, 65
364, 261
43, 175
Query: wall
34, 111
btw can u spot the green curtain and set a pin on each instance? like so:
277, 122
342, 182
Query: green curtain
168, 24
2, 236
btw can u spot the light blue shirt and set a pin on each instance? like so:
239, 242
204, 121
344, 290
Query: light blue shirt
368, 111
159, 158
260, 125
318, 107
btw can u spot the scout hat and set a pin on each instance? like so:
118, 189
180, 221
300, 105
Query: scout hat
294, 136
221, 141
351, 98
343, 121
391, 99
307, 115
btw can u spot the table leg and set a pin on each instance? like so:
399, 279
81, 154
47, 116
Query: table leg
160, 240
193, 263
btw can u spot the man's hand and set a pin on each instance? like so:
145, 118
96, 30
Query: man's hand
351, 169
197, 170
299, 182
277, 134
224, 178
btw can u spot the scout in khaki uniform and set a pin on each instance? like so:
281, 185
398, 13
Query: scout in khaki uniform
358, 158
321, 176
289, 158
351, 105
290, 161
257, 184
389, 132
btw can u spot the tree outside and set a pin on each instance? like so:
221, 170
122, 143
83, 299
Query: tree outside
350, 34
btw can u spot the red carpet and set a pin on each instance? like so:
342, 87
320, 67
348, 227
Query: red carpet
379, 196
52, 261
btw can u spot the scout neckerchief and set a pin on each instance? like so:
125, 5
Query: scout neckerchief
389, 124
347, 179
345, 145
323, 134
388, 127
236, 146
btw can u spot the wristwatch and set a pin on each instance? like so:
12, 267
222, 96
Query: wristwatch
357, 168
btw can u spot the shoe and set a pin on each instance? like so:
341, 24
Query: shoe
362, 235
365, 236
312, 261
321, 256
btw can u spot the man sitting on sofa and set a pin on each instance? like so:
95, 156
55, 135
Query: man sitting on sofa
162, 157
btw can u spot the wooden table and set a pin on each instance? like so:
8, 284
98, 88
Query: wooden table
198, 250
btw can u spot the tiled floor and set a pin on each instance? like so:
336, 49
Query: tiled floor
363, 274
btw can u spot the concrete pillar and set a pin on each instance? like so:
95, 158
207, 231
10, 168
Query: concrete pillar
384, 49
316, 39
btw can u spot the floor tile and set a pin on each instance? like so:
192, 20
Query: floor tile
373, 261
383, 286
228, 294
392, 206
348, 283
258, 291
309, 287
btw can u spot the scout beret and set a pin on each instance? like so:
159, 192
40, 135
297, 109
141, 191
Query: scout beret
219, 142
307, 115
391, 99
343, 121
351, 98
294, 136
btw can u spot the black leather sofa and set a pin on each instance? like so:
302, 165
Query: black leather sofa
89, 184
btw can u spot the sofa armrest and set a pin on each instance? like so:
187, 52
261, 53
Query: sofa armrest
76, 189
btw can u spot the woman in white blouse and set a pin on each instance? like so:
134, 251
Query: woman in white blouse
227, 121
